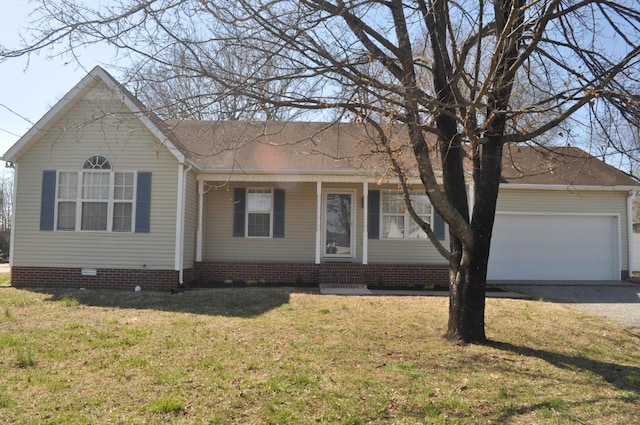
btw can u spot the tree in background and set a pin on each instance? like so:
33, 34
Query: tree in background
471, 75
6, 210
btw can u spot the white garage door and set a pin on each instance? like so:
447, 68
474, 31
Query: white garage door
554, 247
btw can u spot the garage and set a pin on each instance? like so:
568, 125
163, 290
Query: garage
555, 247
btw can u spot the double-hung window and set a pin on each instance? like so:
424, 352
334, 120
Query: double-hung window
97, 198
397, 223
259, 212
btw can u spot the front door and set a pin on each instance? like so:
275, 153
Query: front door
338, 223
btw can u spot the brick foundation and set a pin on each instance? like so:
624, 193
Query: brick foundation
62, 277
309, 273
218, 271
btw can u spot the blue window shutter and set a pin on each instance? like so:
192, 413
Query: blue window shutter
438, 225
143, 203
374, 214
239, 206
48, 199
278, 213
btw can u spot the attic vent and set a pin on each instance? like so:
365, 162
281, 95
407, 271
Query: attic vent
97, 162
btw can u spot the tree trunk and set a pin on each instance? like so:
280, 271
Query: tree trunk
468, 271
467, 301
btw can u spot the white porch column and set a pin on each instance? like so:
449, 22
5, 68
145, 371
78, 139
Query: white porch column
200, 212
318, 221
630, 236
179, 219
365, 223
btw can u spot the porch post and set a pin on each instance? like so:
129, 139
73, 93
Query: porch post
471, 197
318, 220
179, 221
365, 223
199, 231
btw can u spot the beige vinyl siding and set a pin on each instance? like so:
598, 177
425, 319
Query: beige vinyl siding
298, 245
95, 126
570, 201
404, 251
190, 217
300, 229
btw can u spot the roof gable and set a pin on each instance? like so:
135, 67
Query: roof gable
97, 74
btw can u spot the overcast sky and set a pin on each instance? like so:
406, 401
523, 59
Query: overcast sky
31, 86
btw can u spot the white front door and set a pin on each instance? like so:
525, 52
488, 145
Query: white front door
338, 222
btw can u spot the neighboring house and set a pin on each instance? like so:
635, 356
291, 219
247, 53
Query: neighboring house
108, 195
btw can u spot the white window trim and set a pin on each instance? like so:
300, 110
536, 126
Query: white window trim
247, 212
110, 201
408, 220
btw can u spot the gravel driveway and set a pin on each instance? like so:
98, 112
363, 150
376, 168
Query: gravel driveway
617, 301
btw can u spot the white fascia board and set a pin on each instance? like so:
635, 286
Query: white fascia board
559, 187
295, 177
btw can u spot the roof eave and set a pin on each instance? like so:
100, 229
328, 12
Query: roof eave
541, 186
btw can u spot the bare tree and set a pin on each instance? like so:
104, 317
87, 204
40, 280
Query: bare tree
178, 93
6, 209
473, 75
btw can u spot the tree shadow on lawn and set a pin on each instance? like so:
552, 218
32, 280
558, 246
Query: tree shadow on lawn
623, 377
235, 302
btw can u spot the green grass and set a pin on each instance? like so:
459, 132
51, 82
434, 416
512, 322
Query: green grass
5, 279
268, 356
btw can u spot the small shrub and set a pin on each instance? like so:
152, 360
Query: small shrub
25, 359
429, 287
380, 281
299, 280
166, 405
252, 282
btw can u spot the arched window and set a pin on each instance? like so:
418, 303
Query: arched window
102, 198
97, 162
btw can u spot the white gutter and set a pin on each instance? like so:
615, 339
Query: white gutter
296, 177
520, 186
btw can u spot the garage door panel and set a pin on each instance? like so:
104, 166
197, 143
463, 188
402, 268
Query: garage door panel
558, 247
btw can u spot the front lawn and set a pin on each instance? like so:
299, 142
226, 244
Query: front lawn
277, 355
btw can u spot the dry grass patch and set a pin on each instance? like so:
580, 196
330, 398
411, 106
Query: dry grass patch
5, 279
266, 356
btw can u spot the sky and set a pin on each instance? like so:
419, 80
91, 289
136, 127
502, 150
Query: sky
31, 86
